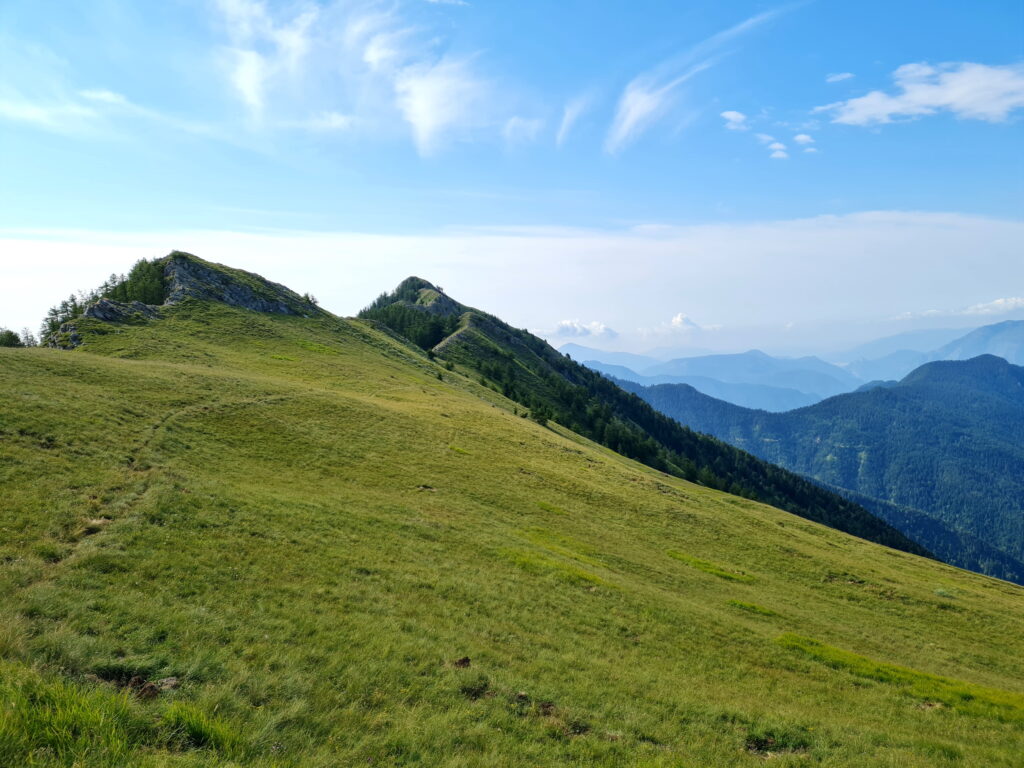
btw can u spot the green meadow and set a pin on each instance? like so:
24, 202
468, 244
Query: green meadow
235, 539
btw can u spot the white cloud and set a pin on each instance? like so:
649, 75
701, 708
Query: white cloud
764, 138
249, 77
436, 99
967, 90
520, 130
650, 95
734, 121
576, 329
996, 307
644, 100
59, 116
105, 96
803, 138
388, 49
683, 323
777, 146
263, 50
811, 150
448, 2
779, 154
325, 122
570, 114
838, 77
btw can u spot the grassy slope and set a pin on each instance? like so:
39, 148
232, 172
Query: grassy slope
530, 371
303, 523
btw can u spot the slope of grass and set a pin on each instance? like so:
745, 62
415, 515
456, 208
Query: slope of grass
269, 509
528, 370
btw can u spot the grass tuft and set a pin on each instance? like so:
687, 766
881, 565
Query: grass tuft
706, 567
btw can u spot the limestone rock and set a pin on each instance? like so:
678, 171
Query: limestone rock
188, 277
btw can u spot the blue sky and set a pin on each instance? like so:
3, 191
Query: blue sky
576, 166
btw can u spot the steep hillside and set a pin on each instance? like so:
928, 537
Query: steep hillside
242, 538
945, 441
526, 369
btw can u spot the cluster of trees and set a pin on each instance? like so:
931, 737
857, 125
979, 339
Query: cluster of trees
145, 283
421, 328
552, 386
9, 338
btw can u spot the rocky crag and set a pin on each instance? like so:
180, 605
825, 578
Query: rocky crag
188, 277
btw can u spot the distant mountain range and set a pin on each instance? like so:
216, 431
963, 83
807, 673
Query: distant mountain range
756, 380
940, 454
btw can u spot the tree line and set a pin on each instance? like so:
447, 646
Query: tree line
144, 283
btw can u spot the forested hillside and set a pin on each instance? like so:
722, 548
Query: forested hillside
946, 441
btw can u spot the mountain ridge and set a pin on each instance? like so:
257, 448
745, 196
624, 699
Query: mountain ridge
262, 539
528, 370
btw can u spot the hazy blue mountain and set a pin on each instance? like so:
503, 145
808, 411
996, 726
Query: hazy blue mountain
1004, 340
747, 395
578, 352
878, 361
894, 365
809, 375
673, 353
911, 341
947, 442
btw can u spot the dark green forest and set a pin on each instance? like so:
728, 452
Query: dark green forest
550, 385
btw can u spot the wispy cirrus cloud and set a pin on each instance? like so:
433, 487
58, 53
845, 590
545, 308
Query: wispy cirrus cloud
965, 89
838, 77
571, 112
651, 94
522, 130
642, 103
439, 99
39, 91
262, 48
361, 67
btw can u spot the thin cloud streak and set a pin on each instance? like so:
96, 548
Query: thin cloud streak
648, 96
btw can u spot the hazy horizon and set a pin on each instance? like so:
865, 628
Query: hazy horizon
791, 177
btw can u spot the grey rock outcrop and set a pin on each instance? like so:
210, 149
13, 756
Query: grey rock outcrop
66, 337
112, 311
188, 277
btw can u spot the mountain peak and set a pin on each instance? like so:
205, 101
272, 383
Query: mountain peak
188, 277
420, 295
154, 284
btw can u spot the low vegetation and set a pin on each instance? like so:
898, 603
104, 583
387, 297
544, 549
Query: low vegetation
232, 538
